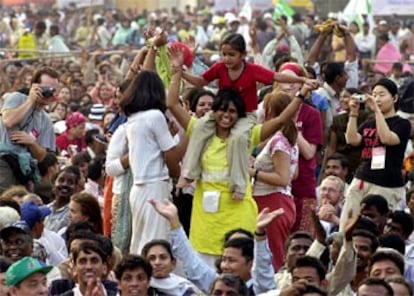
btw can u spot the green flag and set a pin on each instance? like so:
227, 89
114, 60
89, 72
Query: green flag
282, 8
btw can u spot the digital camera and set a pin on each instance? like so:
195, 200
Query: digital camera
48, 92
359, 98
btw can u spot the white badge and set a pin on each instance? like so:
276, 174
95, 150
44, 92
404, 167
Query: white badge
211, 200
378, 158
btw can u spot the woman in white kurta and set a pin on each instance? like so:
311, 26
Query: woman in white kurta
152, 154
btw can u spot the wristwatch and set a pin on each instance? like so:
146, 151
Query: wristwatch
300, 96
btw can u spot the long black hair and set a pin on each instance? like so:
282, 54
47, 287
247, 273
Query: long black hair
145, 92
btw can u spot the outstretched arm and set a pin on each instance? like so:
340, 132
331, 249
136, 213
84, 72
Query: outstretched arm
263, 272
271, 126
173, 102
195, 269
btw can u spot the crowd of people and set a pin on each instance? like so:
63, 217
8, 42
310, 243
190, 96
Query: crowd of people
199, 153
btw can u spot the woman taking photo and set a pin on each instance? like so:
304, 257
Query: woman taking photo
215, 211
337, 142
383, 140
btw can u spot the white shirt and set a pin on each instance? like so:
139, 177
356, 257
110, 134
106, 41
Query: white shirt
113, 166
148, 137
55, 247
365, 42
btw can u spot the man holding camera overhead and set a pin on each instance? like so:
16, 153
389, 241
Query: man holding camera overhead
26, 132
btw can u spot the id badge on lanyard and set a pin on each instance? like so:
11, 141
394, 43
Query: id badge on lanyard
378, 158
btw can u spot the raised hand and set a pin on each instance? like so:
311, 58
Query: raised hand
266, 217
168, 210
176, 57
160, 38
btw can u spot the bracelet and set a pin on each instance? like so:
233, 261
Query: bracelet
353, 115
259, 233
256, 172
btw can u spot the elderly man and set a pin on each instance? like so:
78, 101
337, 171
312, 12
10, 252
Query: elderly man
331, 194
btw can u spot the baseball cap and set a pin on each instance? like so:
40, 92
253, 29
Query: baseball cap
32, 213
24, 268
20, 226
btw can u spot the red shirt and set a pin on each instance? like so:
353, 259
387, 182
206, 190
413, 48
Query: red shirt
309, 122
62, 142
245, 84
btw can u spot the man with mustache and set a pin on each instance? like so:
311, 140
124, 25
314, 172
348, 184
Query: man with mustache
16, 241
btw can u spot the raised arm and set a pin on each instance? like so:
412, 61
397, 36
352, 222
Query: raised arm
177, 61
160, 39
387, 136
136, 63
173, 102
271, 126
263, 272
351, 135
317, 47
195, 268
350, 46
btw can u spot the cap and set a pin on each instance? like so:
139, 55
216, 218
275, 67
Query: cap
32, 213
74, 119
383, 22
97, 112
24, 268
20, 226
218, 20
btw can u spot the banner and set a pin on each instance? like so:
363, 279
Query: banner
390, 7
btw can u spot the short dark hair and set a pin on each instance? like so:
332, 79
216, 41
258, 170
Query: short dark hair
367, 234
332, 70
231, 280
195, 97
146, 92
81, 157
89, 247
89, 207
236, 42
81, 233
365, 223
226, 96
383, 254
229, 233
297, 235
405, 220
246, 246
132, 262
393, 241
157, 242
44, 71
48, 161
377, 201
338, 156
378, 282
89, 135
309, 261
399, 279
95, 168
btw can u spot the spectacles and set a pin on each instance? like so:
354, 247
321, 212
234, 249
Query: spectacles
329, 190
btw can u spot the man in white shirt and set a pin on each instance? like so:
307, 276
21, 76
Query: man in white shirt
54, 244
365, 42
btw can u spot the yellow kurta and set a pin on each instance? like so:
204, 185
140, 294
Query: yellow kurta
207, 229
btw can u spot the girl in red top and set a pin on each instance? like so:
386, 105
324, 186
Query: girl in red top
74, 134
235, 73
